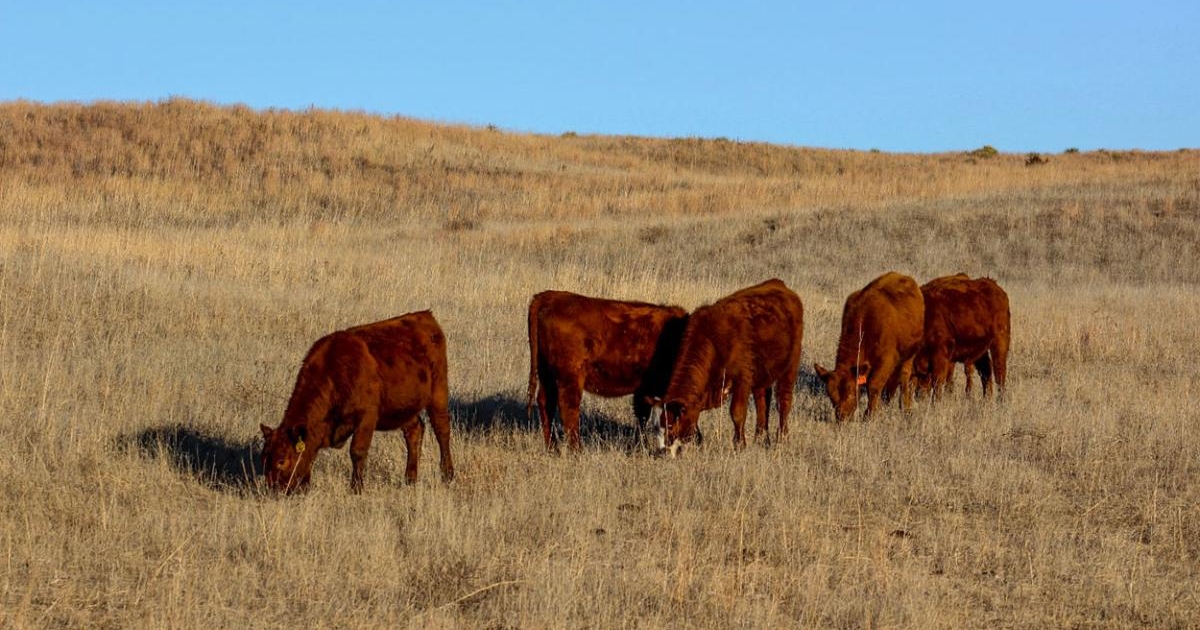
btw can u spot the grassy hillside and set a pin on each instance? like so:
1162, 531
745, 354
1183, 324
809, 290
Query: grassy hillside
165, 266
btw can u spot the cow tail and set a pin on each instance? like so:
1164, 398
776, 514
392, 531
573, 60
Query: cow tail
533, 356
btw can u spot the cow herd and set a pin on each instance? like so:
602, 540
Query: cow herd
895, 336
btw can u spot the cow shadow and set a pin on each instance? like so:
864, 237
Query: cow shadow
807, 382
214, 461
497, 412
506, 413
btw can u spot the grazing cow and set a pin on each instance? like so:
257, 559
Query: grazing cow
353, 382
745, 343
966, 321
882, 329
607, 347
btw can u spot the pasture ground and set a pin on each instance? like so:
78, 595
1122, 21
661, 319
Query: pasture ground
155, 309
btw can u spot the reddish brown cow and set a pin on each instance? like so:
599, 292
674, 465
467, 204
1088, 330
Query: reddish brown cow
882, 329
607, 347
746, 343
353, 382
966, 321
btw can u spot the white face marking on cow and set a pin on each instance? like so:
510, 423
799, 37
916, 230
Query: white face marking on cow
655, 435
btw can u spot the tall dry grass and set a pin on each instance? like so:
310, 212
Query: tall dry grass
165, 266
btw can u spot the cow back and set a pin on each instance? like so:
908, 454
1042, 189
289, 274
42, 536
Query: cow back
969, 314
409, 353
755, 333
887, 315
614, 346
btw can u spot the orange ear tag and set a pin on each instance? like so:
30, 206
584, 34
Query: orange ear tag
862, 380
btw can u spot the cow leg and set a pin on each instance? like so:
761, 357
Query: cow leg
877, 381
739, 405
767, 394
762, 407
889, 390
439, 418
570, 398
784, 392
641, 413
547, 398
943, 370
360, 445
999, 365
641, 408
906, 383
968, 374
983, 365
414, 431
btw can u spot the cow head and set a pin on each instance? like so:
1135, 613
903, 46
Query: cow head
673, 425
286, 459
842, 386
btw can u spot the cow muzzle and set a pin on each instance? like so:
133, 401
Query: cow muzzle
668, 451
656, 444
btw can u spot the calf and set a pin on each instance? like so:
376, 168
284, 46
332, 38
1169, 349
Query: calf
745, 343
353, 382
882, 330
607, 347
966, 321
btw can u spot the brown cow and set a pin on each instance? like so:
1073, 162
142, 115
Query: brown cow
882, 329
746, 343
966, 321
353, 382
607, 347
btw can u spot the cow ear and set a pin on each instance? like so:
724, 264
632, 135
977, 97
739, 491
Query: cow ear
822, 373
266, 431
860, 374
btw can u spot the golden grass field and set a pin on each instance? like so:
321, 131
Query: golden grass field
165, 266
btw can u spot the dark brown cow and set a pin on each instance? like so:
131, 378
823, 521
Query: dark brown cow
966, 321
882, 329
746, 343
353, 382
607, 347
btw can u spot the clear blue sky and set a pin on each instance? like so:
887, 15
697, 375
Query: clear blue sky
899, 76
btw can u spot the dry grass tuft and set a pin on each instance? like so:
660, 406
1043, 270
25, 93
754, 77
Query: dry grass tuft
164, 266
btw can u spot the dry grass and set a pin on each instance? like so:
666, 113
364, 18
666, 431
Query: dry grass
165, 266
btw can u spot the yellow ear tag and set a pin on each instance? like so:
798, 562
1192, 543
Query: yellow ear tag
300, 446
